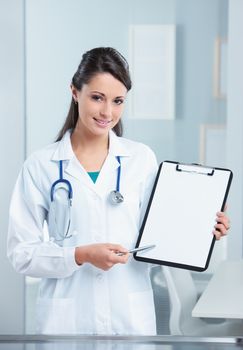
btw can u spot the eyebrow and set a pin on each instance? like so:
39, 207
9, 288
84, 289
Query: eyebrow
101, 93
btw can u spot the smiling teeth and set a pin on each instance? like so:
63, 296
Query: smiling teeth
103, 122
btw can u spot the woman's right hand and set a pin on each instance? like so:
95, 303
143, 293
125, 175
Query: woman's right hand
101, 255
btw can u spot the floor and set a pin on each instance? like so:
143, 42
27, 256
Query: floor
117, 343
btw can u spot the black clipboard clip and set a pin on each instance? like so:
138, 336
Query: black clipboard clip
195, 169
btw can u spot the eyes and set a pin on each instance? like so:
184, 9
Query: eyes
100, 98
118, 101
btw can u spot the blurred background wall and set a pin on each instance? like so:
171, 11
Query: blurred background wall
41, 47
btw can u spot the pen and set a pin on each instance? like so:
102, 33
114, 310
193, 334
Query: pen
139, 249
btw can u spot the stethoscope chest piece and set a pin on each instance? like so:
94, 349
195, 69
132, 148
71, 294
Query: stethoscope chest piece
116, 197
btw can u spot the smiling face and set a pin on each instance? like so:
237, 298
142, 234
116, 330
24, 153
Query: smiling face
100, 104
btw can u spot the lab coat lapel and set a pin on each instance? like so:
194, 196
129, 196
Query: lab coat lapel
75, 169
107, 178
71, 165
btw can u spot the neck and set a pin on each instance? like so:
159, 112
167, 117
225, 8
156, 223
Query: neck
90, 150
85, 143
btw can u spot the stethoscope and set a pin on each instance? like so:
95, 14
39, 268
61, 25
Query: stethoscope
115, 196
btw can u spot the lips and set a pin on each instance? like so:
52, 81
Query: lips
102, 122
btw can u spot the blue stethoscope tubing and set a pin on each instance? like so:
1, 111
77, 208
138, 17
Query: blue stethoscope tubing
70, 189
62, 180
118, 174
115, 196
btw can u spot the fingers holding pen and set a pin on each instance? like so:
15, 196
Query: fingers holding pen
101, 255
119, 254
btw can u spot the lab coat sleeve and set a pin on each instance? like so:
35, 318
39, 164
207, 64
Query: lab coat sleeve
26, 249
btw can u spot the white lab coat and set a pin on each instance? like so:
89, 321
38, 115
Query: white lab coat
84, 299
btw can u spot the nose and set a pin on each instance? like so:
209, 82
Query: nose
106, 110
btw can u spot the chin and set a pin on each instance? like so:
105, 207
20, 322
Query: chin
101, 132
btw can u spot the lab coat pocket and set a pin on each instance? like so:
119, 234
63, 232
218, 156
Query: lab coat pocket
55, 316
142, 313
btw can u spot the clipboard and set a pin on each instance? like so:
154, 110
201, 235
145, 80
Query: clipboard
181, 213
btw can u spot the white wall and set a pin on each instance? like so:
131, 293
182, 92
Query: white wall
235, 125
11, 153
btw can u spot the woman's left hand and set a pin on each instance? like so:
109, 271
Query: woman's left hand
222, 226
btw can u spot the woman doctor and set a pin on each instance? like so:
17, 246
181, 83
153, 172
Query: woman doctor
91, 187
